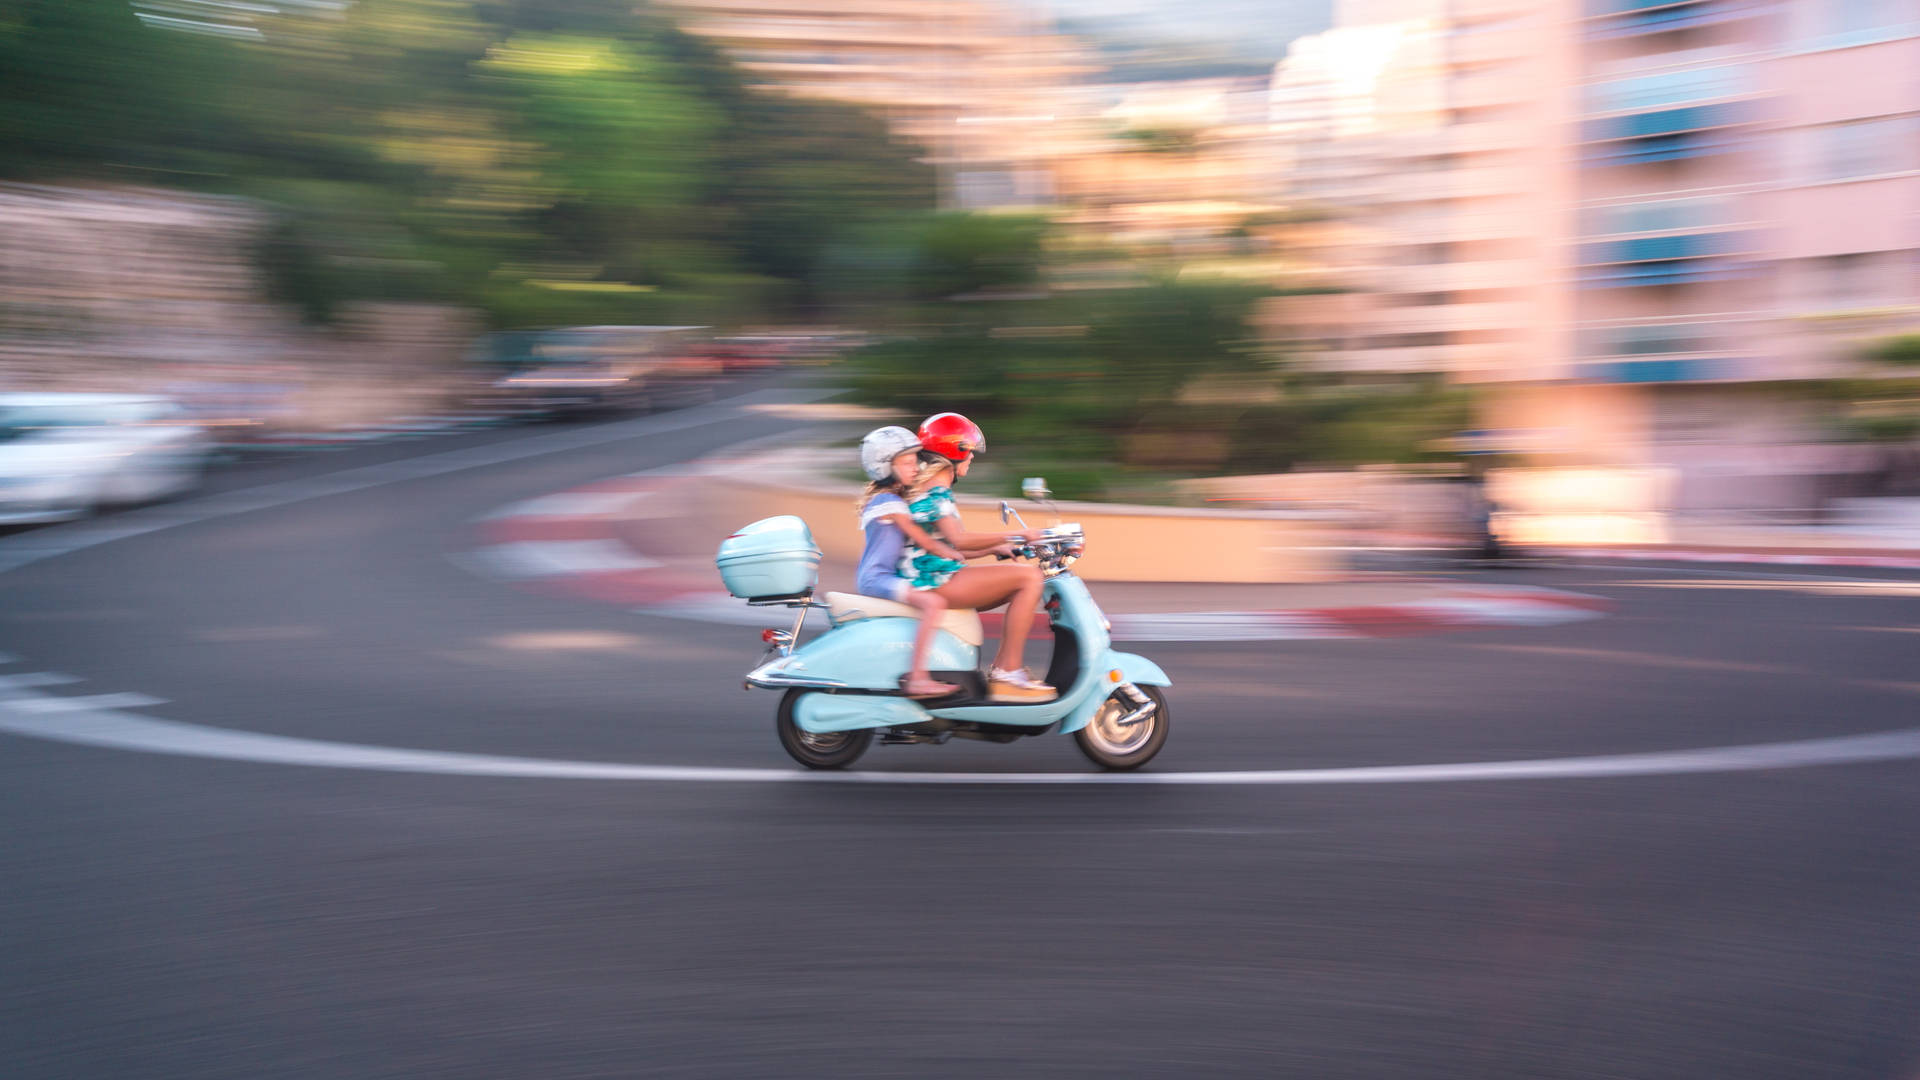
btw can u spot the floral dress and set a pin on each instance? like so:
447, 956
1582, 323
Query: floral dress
922, 568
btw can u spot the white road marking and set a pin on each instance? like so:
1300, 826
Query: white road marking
36, 678
8, 658
521, 559
89, 703
94, 722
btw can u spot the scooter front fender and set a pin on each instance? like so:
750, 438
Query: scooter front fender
1137, 670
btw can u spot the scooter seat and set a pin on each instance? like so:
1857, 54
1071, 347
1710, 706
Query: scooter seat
963, 623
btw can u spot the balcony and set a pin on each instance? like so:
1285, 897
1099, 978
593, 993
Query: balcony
1457, 227
1666, 121
1413, 359
1482, 90
1628, 19
1457, 138
1473, 47
1467, 12
1448, 318
1459, 276
1690, 146
1665, 370
1485, 137
1643, 216
1483, 182
1688, 245
1643, 341
1683, 133
1678, 259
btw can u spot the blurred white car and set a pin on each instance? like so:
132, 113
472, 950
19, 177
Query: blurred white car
64, 455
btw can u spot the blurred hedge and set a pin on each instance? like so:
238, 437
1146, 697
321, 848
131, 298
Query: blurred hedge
1111, 392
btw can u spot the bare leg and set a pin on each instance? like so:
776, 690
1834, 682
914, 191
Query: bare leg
1017, 586
931, 606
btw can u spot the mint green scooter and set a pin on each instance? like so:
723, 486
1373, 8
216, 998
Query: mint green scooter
841, 689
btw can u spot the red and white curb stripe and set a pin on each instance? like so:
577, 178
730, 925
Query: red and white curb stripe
1774, 558
570, 542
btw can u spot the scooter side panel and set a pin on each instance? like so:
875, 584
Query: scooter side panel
823, 713
1080, 614
873, 654
1085, 685
1137, 670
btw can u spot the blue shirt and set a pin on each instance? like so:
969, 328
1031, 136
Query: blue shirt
879, 573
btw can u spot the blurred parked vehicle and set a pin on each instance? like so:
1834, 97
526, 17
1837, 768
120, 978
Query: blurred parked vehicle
750, 352
585, 369
62, 456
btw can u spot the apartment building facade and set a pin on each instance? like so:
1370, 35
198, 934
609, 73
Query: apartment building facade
1626, 216
970, 81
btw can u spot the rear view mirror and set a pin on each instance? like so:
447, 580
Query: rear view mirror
1006, 511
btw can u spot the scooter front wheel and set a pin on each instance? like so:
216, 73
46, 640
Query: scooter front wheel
1112, 745
817, 750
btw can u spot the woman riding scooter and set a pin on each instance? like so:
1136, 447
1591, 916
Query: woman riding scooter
940, 582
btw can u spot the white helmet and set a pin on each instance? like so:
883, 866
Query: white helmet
881, 446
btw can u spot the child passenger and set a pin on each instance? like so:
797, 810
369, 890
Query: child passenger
915, 548
902, 562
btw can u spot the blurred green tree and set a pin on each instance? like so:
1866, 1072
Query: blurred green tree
470, 150
1903, 349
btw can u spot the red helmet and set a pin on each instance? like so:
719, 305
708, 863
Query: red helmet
952, 436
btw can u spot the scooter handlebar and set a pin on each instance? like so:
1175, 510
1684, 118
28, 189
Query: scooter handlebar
1054, 549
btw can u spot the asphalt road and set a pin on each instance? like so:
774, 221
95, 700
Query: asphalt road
172, 916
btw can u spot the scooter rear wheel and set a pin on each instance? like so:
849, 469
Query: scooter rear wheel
831, 750
1112, 746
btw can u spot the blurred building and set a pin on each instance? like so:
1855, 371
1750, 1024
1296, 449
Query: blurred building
146, 290
974, 82
1171, 164
112, 274
1625, 215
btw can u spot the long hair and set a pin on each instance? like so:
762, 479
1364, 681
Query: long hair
875, 487
931, 465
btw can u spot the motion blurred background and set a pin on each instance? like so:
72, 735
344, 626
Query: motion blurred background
1633, 268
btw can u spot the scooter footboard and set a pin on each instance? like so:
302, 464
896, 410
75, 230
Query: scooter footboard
824, 713
1137, 670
